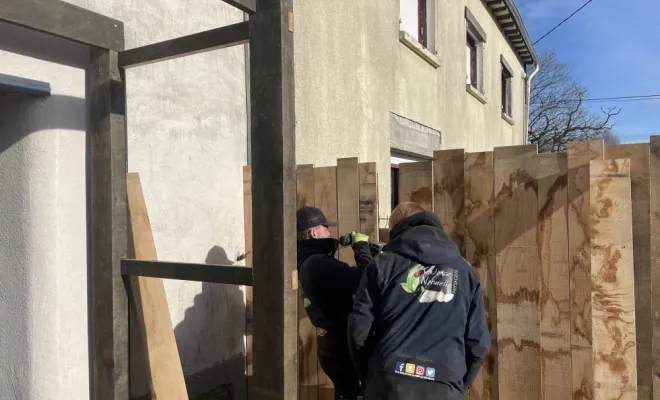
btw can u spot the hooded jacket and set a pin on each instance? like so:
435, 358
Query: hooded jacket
418, 327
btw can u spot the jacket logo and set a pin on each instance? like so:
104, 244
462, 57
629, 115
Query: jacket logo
431, 283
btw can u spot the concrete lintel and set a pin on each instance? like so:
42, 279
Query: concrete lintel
408, 136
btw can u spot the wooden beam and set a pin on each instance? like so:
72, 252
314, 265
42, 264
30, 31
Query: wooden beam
416, 183
518, 273
224, 274
274, 198
249, 305
448, 193
109, 303
247, 6
214, 39
62, 19
638, 154
612, 279
579, 256
479, 251
655, 259
369, 200
555, 280
348, 203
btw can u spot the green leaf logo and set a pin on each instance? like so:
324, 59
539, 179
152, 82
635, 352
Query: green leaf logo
412, 281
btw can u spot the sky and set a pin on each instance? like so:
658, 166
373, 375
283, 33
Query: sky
614, 49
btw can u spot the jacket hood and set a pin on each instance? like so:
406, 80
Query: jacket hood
421, 238
309, 247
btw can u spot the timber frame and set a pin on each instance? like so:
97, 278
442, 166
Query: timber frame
269, 33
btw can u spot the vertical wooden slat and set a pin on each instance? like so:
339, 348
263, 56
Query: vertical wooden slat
273, 154
325, 198
655, 260
416, 183
518, 273
368, 177
307, 332
479, 246
109, 218
641, 219
247, 221
579, 156
612, 279
348, 203
555, 280
448, 195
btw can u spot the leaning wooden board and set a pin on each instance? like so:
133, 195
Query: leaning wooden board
613, 281
416, 183
555, 280
368, 177
247, 221
348, 203
655, 259
448, 193
641, 219
153, 314
518, 273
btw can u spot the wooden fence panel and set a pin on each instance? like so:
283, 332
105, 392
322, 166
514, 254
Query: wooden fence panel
641, 221
479, 246
612, 278
449, 196
308, 368
416, 183
655, 260
555, 278
348, 203
579, 255
518, 273
368, 177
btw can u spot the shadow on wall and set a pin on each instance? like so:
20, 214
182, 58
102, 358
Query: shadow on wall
211, 334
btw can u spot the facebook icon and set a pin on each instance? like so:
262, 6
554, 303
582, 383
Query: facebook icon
400, 366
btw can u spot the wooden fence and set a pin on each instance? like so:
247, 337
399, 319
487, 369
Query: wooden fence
566, 245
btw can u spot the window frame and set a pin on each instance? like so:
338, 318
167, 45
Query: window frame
506, 76
474, 32
425, 25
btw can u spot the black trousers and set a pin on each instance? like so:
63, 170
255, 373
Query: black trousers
336, 362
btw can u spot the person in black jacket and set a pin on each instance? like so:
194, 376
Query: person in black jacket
418, 329
327, 286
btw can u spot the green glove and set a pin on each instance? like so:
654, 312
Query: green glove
357, 237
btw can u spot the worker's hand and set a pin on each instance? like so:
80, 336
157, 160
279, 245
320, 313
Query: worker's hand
357, 237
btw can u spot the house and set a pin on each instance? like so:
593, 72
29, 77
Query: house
372, 81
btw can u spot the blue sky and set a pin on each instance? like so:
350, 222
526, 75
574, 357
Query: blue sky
614, 48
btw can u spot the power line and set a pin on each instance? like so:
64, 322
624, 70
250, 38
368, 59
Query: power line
562, 22
607, 99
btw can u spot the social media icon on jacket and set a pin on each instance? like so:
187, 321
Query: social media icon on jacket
410, 368
400, 366
430, 372
420, 370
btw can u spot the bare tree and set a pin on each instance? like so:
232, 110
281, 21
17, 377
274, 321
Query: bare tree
557, 114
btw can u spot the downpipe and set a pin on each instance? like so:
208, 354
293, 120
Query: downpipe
528, 85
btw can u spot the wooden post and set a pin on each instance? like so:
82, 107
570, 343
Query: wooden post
249, 329
448, 195
109, 313
555, 279
518, 273
369, 200
348, 203
275, 339
655, 260
612, 280
416, 183
479, 251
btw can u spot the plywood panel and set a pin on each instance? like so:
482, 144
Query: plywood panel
579, 255
479, 236
348, 203
150, 301
416, 183
518, 273
655, 259
555, 278
247, 220
308, 358
612, 278
368, 177
448, 194
640, 183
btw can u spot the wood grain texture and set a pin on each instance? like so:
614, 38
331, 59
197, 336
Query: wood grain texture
655, 259
348, 203
448, 193
152, 312
555, 279
518, 273
368, 177
641, 221
416, 183
579, 156
479, 246
613, 281
247, 221
306, 331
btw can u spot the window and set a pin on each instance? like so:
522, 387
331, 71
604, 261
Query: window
471, 60
474, 48
416, 21
507, 78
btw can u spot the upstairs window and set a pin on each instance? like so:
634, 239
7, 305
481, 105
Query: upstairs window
507, 78
474, 49
416, 21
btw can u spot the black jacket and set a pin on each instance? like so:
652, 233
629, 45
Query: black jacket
327, 285
418, 329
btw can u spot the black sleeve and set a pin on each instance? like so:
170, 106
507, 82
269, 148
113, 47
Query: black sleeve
337, 277
360, 322
362, 255
477, 337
